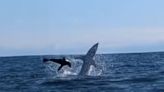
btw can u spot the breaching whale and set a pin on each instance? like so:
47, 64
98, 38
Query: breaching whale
62, 62
88, 60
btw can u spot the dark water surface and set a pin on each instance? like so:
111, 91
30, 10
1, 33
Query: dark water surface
140, 72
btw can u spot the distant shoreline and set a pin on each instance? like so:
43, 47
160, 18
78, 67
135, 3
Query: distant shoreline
82, 54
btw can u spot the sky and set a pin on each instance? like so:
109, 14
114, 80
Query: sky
45, 27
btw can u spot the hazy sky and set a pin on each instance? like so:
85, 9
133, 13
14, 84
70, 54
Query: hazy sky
33, 27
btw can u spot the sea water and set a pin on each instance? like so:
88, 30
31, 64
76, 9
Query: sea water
133, 72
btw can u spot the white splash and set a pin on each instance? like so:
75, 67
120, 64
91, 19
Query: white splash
51, 69
94, 71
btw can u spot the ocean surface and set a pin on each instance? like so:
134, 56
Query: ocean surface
133, 72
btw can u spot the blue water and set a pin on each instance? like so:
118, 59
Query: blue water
138, 72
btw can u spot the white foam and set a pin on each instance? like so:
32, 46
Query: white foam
93, 71
51, 69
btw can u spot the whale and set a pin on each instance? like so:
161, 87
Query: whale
88, 60
62, 62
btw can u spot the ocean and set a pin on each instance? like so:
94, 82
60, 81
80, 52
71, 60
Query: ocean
131, 72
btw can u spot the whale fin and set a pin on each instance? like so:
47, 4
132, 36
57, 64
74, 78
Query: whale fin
88, 60
92, 51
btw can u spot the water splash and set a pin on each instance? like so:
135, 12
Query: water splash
51, 69
99, 69
93, 71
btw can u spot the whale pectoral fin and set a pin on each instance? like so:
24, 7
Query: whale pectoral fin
60, 67
88, 60
92, 51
